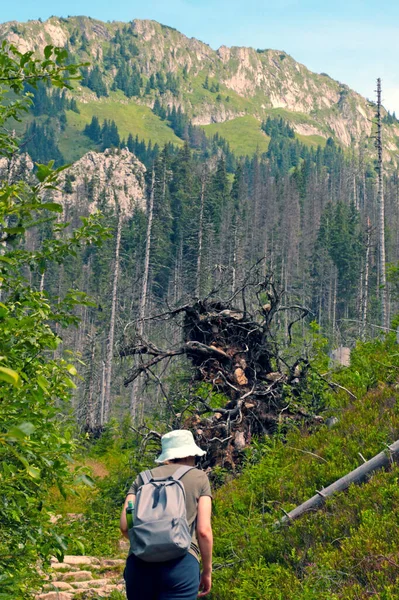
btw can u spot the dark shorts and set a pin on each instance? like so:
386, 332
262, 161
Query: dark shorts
172, 580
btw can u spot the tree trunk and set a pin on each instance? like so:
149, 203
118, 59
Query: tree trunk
144, 292
381, 212
111, 334
366, 282
379, 461
90, 408
102, 396
200, 237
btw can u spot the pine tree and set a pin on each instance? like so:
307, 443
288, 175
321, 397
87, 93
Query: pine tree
93, 131
96, 83
40, 143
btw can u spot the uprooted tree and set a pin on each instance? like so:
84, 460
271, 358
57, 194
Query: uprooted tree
234, 350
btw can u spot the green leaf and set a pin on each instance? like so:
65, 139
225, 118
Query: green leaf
60, 541
10, 376
20, 432
86, 479
53, 206
69, 383
3, 312
15, 434
44, 171
33, 472
42, 383
26, 428
48, 51
6, 259
80, 546
14, 230
71, 369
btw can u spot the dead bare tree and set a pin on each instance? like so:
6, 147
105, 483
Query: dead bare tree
111, 333
359, 475
381, 212
144, 291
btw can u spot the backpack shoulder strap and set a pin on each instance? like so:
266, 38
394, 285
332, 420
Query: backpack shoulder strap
146, 476
178, 474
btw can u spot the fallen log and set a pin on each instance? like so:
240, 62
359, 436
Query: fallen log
381, 460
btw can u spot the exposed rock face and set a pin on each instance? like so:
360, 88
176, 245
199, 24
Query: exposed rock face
257, 81
19, 167
97, 180
101, 179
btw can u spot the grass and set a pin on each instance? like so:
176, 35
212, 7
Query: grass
73, 144
129, 118
346, 548
311, 140
246, 137
243, 134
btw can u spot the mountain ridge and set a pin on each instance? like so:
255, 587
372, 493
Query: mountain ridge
241, 81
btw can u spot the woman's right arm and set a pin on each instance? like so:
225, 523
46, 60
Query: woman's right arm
205, 542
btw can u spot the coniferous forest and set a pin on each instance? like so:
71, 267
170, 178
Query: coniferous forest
308, 216
151, 286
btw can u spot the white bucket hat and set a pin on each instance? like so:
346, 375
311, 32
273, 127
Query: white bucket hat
178, 444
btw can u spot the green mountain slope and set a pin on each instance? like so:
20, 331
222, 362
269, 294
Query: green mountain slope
230, 90
346, 549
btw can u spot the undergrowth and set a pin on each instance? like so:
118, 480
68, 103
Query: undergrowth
347, 550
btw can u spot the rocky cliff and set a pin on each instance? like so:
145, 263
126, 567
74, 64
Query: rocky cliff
249, 82
101, 179
96, 181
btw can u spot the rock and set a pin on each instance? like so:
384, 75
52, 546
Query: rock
75, 517
331, 421
82, 585
115, 562
93, 179
106, 590
274, 376
60, 585
81, 560
240, 376
55, 596
239, 440
55, 518
100, 176
96, 583
124, 545
77, 576
20, 166
56, 566
318, 419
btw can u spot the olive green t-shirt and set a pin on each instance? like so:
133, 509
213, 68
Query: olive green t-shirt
196, 484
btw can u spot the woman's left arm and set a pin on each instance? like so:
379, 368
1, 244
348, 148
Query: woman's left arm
123, 522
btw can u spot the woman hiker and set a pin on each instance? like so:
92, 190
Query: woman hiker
179, 578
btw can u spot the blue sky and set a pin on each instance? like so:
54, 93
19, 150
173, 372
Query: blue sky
354, 41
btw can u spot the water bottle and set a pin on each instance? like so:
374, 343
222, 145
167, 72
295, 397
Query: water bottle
129, 514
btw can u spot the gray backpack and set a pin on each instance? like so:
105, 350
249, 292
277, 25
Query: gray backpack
160, 530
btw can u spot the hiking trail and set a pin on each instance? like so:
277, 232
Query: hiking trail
83, 577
